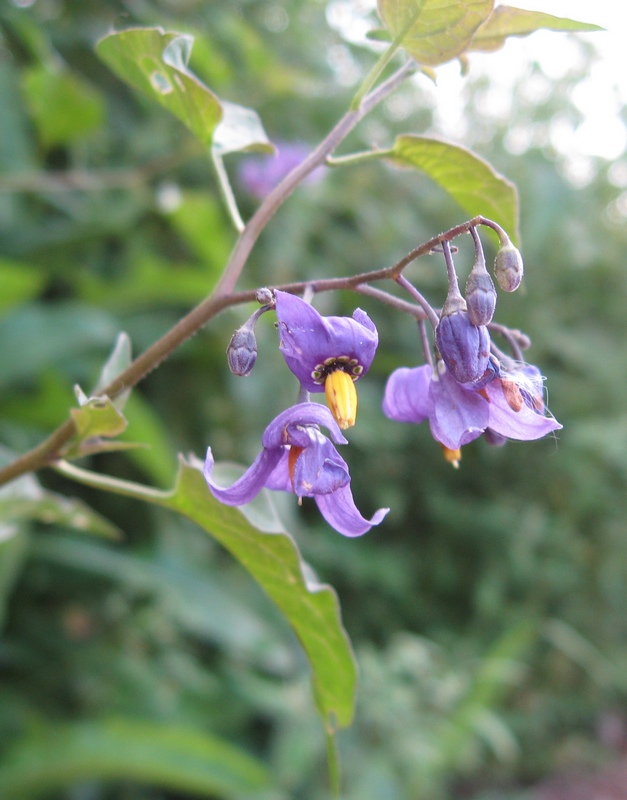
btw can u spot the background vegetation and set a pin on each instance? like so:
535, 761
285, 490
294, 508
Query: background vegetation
487, 613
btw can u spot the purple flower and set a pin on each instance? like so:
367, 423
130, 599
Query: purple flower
313, 346
316, 348
296, 457
260, 174
511, 405
456, 414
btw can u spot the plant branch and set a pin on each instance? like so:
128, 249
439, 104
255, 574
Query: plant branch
316, 158
51, 448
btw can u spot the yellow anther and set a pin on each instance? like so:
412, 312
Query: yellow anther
339, 388
452, 456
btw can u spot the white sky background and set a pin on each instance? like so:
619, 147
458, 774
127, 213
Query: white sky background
599, 97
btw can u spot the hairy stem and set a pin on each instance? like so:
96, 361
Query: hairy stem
52, 447
223, 295
422, 301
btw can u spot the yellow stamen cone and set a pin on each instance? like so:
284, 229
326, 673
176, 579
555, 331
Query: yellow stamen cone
339, 388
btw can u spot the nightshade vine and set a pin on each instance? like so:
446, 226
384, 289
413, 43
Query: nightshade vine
467, 388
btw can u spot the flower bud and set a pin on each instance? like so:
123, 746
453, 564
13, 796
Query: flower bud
508, 267
480, 292
464, 347
264, 296
242, 350
480, 296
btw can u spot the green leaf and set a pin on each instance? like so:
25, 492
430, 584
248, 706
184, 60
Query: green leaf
240, 130
64, 108
466, 177
155, 62
270, 555
117, 749
508, 21
157, 457
117, 362
434, 31
97, 416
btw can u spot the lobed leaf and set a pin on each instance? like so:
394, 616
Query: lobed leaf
272, 558
466, 177
173, 757
508, 21
434, 31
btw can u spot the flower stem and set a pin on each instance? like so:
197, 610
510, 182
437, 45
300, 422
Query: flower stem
384, 59
226, 191
424, 303
223, 295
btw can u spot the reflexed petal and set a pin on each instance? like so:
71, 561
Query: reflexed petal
406, 396
250, 484
307, 339
279, 479
525, 424
341, 513
458, 415
319, 468
289, 426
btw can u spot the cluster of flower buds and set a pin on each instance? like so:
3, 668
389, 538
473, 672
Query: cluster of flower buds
472, 389
466, 389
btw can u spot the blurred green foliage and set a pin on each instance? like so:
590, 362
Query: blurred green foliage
487, 613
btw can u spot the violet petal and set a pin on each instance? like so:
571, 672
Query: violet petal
406, 397
341, 513
251, 482
458, 415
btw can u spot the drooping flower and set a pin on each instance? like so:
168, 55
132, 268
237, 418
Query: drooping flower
296, 457
456, 414
511, 405
327, 354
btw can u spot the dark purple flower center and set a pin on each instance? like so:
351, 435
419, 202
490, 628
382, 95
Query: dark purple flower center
347, 364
